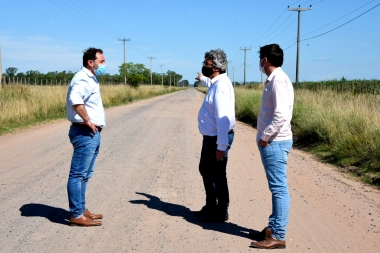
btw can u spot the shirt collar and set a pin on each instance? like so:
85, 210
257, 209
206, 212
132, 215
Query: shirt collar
88, 72
215, 79
274, 72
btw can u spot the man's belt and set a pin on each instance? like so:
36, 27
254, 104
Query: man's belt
85, 126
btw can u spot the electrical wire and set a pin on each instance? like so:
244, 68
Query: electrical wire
82, 20
339, 18
342, 24
94, 19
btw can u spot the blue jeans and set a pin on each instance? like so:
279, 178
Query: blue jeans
275, 159
214, 175
86, 148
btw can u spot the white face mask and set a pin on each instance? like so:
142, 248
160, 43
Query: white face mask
262, 70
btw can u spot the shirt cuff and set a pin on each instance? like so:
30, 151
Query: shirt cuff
222, 147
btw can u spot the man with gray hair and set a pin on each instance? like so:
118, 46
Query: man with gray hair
216, 121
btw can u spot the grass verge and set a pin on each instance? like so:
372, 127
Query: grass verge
23, 106
340, 128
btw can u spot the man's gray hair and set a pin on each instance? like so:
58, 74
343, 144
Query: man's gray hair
219, 59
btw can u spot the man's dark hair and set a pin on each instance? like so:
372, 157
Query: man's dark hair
90, 54
273, 53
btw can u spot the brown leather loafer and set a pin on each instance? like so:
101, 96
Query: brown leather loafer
269, 242
93, 216
84, 221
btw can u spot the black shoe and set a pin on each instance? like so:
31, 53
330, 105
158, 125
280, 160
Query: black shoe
258, 236
214, 218
205, 211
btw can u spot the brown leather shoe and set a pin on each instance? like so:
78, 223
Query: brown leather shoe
84, 221
269, 242
258, 236
93, 216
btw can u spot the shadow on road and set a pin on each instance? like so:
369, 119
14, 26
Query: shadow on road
53, 214
182, 211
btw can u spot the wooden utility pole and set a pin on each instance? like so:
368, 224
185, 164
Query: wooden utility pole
162, 77
299, 9
1, 70
245, 63
151, 58
233, 74
125, 67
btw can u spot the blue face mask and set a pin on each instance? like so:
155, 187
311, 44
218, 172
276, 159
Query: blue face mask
100, 70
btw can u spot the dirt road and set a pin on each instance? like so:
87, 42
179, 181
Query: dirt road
146, 184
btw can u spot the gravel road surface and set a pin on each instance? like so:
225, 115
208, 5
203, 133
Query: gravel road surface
146, 184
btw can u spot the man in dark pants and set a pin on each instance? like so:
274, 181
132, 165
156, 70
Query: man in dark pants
216, 120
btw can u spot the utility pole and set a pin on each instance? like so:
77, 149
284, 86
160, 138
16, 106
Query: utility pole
245, 54
228, 62
233, 75
151, 58
299, 9
125, 67
162, 77
1, 70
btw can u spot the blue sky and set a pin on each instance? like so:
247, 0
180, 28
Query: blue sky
50, 35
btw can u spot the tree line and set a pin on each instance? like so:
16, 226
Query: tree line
134, 74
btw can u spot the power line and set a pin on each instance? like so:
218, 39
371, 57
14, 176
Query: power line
339, 18
95, 20
342, 24
82, 19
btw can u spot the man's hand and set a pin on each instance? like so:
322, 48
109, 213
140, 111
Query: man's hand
81, 110
199, 76
220, 154
263, 143
91, 125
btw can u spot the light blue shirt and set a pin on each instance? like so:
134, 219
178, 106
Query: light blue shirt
84, 90
217, 114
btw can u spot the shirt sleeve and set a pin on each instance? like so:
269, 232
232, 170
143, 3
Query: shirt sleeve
79, 92
222, 99
281, 105
206, 81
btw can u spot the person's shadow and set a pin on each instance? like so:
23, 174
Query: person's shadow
53, 214
182, 211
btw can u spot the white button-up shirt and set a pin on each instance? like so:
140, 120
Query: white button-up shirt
84, 89
217, 114
276, 108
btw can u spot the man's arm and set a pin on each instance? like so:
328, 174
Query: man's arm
81, 110
222, 121
205, 80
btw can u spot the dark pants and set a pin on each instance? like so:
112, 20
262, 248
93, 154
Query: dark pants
214, 174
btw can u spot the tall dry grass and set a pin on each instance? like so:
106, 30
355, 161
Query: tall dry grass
22, 105
342, 128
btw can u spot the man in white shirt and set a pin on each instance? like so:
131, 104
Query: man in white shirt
275, 139
216, 120
85, 110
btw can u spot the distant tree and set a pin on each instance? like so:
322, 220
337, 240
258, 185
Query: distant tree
184, 83
197, 83
11, 71
136, 73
